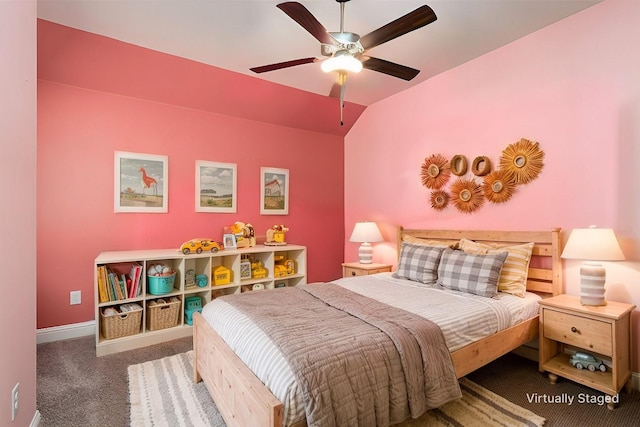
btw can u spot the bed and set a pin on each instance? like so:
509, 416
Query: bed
243, 399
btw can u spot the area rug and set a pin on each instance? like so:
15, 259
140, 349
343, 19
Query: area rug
162, 393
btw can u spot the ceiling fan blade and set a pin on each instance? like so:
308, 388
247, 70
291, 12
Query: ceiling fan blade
281, 65
411, 21
302, 16
387, 67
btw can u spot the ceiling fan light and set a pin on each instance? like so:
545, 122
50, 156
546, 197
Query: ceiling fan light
343, 62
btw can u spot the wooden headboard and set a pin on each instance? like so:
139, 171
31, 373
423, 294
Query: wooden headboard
545, 271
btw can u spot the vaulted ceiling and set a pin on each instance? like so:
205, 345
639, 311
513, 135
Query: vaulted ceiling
236, 35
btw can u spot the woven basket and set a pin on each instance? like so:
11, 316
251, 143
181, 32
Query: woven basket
162, 316
120, 324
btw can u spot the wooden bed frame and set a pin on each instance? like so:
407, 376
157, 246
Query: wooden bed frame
243, 400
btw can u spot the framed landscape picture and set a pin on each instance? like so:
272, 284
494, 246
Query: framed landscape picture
216, 186
140, 182
274, 191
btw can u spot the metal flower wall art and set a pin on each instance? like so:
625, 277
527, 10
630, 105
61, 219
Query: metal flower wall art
519, 164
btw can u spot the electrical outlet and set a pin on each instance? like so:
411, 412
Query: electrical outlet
15, 394
75, 297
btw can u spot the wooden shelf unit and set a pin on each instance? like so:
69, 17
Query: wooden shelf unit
204, 263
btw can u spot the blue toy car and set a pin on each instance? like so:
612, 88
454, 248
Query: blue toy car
585, 360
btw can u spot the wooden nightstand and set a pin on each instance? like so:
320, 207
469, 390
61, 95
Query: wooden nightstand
603, 331
350, 269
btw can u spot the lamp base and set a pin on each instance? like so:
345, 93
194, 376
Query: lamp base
592, 278
365, 253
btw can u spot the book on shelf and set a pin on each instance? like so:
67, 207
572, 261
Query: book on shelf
102, 285
134, 277
114, 286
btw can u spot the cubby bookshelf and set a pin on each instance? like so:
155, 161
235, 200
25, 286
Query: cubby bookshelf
203, 264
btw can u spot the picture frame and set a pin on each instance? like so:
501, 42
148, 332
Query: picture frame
229, 241
216, 187
274, 191
141, 182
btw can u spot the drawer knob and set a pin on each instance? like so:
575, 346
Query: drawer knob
574, 329
353, 273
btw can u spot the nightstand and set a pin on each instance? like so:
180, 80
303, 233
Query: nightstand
350, 269
602, 331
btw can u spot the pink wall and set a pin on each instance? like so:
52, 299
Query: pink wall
78, 132
574, 87
18, 209
571, 87
78, 58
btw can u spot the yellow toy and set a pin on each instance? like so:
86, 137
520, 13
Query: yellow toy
257, 270
245, 235
283, 267
221, 275
275, 236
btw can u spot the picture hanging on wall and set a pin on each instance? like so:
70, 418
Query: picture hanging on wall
274, 191
216, 187
141, 182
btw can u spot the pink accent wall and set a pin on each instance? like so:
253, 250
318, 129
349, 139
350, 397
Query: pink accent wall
78, 58
79, 130
18, 209
574, 87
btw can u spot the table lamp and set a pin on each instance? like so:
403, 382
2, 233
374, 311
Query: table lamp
365, 233
592, 245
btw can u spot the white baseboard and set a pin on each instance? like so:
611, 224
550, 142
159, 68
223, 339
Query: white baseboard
35, 422
65, 332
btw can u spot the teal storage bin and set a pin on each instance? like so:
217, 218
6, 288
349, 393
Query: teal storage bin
191, 305
161, 285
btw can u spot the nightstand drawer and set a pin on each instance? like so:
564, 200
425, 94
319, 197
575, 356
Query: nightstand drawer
352, 269
350, 272
578, 331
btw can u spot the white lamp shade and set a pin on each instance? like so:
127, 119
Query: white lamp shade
593, 244
365, 233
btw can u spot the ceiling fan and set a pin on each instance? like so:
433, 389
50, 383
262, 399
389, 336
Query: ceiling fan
346, 51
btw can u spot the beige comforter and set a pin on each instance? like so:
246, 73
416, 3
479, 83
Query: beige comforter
359, 362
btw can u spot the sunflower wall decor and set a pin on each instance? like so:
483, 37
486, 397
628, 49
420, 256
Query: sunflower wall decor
439, 199
520, 163
498, 186
435, 171
466, 195
523, 159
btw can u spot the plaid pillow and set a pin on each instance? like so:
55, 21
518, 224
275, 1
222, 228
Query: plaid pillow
419, 263
474, 274
513, 277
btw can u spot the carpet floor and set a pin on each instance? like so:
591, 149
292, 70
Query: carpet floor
162, 394
76, 388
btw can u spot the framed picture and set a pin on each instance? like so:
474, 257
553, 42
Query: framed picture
274, 191
229, 241
141, 182
216, 186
